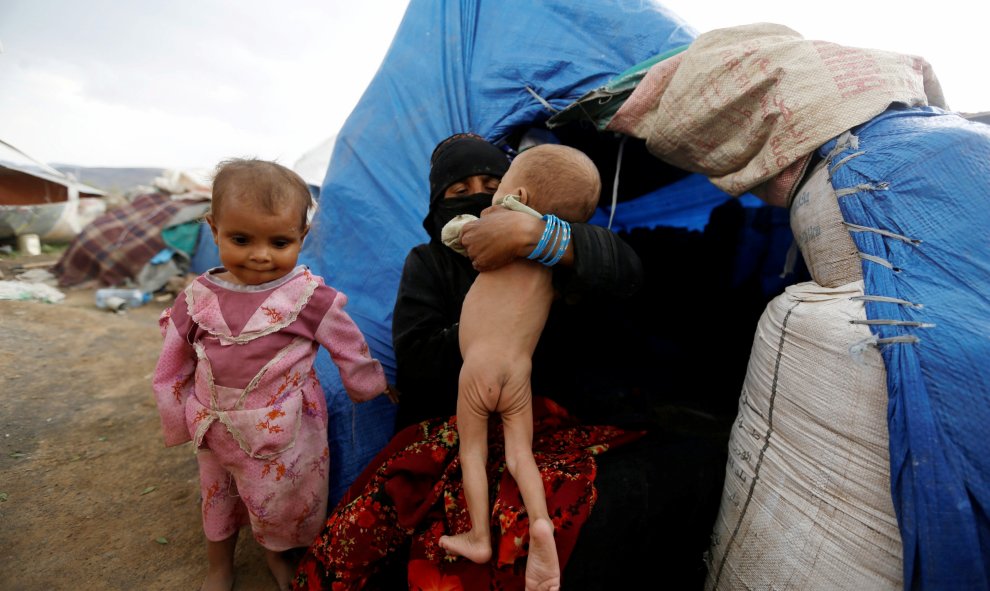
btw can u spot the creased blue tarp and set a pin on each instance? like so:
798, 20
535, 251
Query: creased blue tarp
924, 175
453, 66
206, 256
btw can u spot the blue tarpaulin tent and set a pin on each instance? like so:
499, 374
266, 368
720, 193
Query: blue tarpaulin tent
497, 68
453, 66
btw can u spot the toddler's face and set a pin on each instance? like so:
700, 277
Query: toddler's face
256, 246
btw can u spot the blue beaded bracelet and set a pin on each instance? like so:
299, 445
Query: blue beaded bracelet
564, 241
548, 231
553, 242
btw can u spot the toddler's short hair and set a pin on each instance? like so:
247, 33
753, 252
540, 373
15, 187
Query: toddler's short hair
268, 184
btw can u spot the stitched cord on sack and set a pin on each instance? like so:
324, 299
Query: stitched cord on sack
879, 261
889, 322
857, 349
846, 141
886, 300
849, 141
832, 168
881, 186
766, 444
887, 233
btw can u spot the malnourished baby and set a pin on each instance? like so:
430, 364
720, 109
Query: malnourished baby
501, 321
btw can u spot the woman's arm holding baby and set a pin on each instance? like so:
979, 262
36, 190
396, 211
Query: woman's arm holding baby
596, 260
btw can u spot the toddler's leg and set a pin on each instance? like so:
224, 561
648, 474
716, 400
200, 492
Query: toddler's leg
222, 513
472, 428
220, 574
281, 567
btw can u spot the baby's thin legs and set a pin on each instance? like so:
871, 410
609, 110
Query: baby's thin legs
518, 425
542, 565
472, 427
282, 569
220, 572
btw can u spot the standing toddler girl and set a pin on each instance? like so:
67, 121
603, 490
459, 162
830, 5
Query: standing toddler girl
236, 374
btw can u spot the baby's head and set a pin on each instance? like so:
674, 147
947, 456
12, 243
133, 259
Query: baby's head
553, 178
258, 219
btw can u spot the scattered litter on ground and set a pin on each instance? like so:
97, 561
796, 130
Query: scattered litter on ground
24, 291
38, 275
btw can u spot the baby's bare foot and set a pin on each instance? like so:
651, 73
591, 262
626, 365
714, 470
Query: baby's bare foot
542, 566
282, 569
219, 580
475, 548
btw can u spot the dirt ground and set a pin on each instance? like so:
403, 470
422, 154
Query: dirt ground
89, 496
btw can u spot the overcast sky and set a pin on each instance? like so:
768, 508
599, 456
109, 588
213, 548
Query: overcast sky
186, 83
177, 83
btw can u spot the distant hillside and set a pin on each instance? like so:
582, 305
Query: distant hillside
114, 180
983, 117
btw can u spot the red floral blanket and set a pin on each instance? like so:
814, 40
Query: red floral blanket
411, 494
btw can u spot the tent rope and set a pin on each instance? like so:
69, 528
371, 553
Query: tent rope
542, 100
790, 261
615, 181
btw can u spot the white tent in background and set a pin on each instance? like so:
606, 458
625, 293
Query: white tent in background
312, 166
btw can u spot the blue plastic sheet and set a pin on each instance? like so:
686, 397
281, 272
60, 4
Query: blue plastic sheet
206, 255
923, 176
453, 66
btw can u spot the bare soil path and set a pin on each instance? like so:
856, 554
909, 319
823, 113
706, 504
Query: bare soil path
90, 499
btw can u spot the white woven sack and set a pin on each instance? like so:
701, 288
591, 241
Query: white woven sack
825, 243
806, 503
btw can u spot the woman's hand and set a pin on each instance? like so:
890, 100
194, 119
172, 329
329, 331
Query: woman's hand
499, 237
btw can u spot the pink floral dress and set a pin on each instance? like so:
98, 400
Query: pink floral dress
236, 377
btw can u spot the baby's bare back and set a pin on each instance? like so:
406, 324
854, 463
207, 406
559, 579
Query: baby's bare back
501, 320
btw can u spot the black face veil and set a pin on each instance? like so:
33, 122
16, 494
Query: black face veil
459, 157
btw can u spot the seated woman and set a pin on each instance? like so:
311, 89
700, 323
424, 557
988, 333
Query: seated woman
643, 509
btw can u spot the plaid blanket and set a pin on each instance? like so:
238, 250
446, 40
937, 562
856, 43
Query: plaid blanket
115, 247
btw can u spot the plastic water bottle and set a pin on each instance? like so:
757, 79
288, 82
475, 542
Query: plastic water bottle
119, 299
